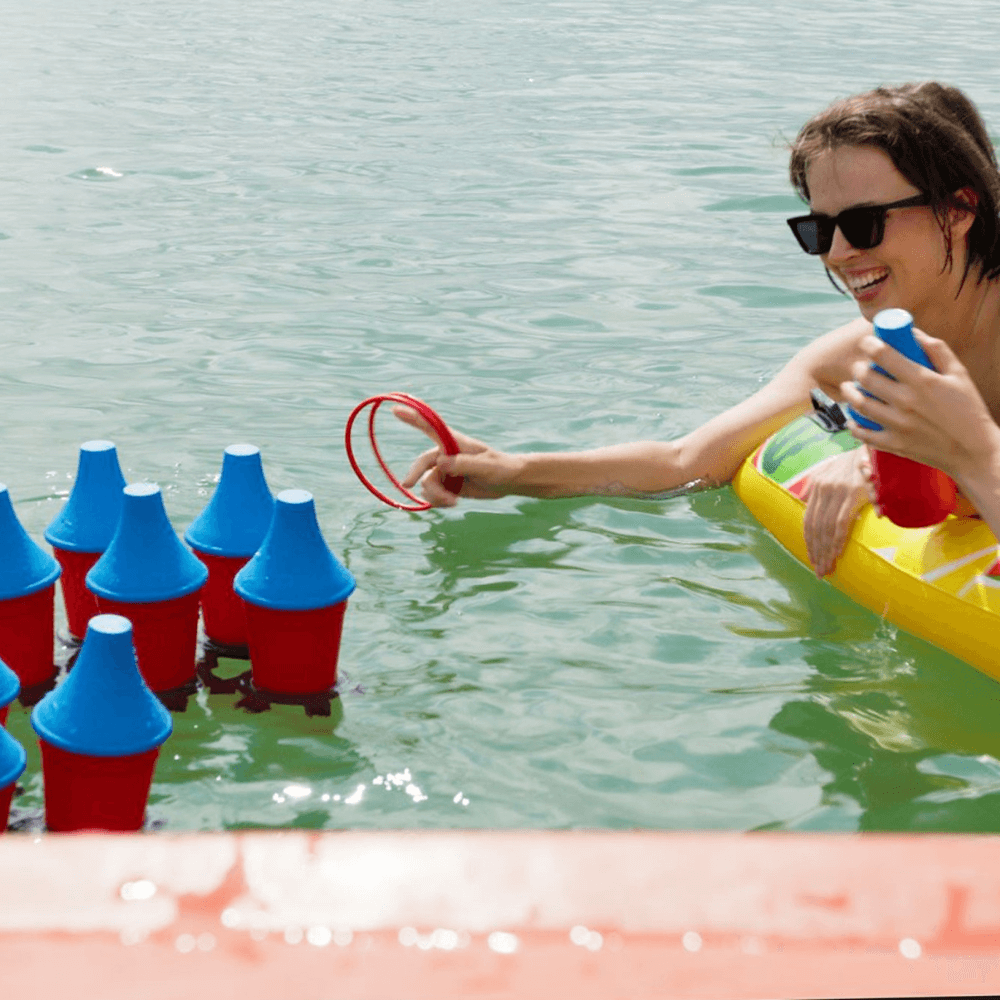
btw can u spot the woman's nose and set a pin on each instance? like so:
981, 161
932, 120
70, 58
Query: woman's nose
840, 248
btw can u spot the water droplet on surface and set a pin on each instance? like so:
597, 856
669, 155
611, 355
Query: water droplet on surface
502, 943
185, 943
691, 941
320, 937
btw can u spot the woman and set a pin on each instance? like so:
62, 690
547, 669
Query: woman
903, 188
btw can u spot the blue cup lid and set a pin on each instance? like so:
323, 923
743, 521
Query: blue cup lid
145, 562
237, 517
10, 685
25, 567
103, 708
13, 759
294, 569
90, 515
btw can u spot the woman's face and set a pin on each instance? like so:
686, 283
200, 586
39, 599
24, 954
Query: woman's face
907, 269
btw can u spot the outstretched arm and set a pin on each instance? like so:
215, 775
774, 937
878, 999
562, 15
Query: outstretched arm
709, 455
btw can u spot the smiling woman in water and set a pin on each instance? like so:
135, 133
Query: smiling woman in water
903, 189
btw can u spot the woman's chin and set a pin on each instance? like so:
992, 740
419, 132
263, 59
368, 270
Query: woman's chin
873, 301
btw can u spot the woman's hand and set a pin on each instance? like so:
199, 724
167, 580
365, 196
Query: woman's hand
486, 473
934, 417
835, 493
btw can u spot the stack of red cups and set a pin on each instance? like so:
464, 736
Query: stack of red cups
147, 575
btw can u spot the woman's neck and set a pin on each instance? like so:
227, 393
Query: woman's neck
970, 326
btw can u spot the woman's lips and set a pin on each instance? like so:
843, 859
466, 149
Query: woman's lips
865, 284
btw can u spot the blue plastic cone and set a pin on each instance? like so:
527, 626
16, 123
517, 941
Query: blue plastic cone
294, 569
25, 567
83, 529
10, 685
225, 535
27, 600
236, 519
148, 575
295, 593
145, 562
10, 688
103, 708
100, 733
90, 515
13, 761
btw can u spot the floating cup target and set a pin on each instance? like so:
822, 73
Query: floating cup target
438, 426
100, 733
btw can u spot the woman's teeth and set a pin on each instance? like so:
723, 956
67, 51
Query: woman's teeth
861, 282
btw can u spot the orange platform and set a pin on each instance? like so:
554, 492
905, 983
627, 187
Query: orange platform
441, 915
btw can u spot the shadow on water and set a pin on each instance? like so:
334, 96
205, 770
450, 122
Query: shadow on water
493, 551
482, 541
915, 743
905, 730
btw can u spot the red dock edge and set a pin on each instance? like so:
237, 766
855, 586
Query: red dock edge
441, 915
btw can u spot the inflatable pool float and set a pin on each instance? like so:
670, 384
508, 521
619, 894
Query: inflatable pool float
940, 583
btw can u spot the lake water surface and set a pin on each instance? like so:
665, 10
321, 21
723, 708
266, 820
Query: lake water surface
560, 223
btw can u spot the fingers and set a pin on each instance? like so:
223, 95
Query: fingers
414, 419
811, 530
825, 528
434, 492
425, 468
421, 465
826, 533
867, 406
865, 470
485, 473
835, 494
411, 417
465, 465
892, 387
940, 354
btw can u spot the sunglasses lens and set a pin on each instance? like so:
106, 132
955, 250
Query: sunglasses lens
814, 234
863, 228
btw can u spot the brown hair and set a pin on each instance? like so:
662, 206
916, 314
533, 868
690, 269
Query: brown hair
936, 139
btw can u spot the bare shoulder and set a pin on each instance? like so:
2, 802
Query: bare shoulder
827, 360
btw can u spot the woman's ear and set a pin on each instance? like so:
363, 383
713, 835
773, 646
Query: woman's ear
962, 211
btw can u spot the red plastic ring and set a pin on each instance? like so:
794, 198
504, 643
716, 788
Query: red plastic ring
451, 483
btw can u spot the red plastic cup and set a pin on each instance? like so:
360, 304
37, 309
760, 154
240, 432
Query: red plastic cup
222, 611
294, 652
27, 636
6, 794
910, 494
80, 603
165, 634
95, 793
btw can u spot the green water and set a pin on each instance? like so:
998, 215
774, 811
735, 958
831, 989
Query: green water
562, 224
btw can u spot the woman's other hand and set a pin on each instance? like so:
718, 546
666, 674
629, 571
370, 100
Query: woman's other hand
934, 417
835, 493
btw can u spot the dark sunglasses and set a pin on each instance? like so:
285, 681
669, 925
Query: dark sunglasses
863, 227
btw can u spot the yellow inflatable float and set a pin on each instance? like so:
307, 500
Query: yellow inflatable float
940, 583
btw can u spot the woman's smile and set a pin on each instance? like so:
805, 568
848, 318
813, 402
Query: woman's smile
864, 284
